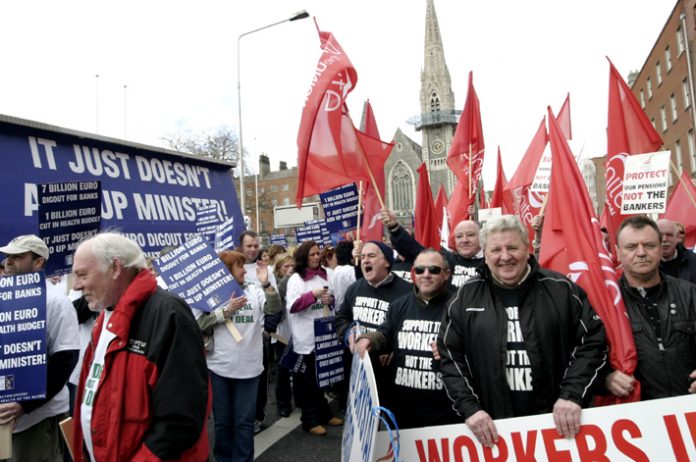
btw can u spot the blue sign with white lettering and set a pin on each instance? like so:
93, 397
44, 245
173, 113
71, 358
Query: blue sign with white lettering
149, 194
329, 352
68, 213
22, 337
341, 211
195, 273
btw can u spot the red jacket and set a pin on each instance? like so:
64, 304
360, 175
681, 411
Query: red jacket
154, 396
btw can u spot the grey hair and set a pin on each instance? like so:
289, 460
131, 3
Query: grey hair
108, 246
503, 223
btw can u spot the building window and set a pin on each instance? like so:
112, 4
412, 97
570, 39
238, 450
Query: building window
652, 121
402, 188
642, 98
434, 102
663, 118
274, 188
286, 187
673, 106
686, 91
678, 155
649, 84
248, 192
274, 202
668, 59
658, 73
681, 46
692, 149
262, 190
286, 201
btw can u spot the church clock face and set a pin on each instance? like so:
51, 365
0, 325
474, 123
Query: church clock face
437, 146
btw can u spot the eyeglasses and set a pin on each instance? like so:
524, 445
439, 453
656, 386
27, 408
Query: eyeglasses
431, 269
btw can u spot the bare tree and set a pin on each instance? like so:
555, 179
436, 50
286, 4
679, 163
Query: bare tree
221, 144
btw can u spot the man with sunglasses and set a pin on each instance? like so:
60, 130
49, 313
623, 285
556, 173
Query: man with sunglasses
411, 325
462, 262
518, 339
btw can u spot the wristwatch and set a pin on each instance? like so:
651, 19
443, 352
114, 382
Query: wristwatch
266, 285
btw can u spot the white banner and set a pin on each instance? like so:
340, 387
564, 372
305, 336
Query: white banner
646, 178
362, 420
657, 430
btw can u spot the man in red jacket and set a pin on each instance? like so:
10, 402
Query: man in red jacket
143, 391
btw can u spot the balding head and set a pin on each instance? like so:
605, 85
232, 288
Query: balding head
670, 238
466, 238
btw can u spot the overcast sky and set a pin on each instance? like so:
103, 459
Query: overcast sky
178, 60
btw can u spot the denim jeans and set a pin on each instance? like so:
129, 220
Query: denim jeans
234, 407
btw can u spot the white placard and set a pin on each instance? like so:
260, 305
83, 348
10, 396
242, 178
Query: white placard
361, 422
486, 214
645, 182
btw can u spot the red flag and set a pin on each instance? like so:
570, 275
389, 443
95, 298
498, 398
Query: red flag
501, 197
563, 119
440, 206
572, 244
377, 152
682, 208
629, 131
465, 157
329, 152
426, 222
527, 204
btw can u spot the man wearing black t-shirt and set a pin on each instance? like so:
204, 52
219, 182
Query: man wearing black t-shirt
411, 326
516, 320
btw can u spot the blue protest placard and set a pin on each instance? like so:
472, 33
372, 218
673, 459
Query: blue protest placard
341, 212
149, 194
22, 337
361, 421
329, 352
68, 213
195, 273
224, 236
311, 232
279, 239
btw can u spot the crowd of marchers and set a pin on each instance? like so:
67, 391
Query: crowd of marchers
471, 335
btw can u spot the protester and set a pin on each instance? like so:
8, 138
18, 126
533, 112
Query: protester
463, 261
36, 434
328, 258
343, 274
236, 364
681, 233
249, 246
662, 310
274, 250
278, 323
523, 322
143, 392
307, 296
419, 398
676, 261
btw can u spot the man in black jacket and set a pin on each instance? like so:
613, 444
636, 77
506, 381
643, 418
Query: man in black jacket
677, 261
412, 324
467, 255
516, 320
663, 316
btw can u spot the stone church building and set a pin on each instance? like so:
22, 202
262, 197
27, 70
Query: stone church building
437, 123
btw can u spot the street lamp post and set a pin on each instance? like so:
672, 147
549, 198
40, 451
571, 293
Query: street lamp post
299, 15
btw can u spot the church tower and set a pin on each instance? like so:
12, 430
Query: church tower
438, 119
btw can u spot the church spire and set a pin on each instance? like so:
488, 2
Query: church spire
436, 85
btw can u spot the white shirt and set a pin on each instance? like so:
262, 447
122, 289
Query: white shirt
339, 280
61, 335
244, 359
302, 323
250, 275
92, 382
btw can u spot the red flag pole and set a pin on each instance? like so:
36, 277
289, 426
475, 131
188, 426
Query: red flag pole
469, 168
357, 231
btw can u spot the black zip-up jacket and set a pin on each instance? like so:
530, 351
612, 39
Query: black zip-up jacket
664, 372
566, 350
685, 265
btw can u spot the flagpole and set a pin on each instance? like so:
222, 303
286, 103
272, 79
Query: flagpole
357, 230
469, 168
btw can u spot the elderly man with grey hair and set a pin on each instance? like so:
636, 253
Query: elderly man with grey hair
532, 326
143, 390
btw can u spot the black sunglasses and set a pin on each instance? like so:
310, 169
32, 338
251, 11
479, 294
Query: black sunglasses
431, 269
